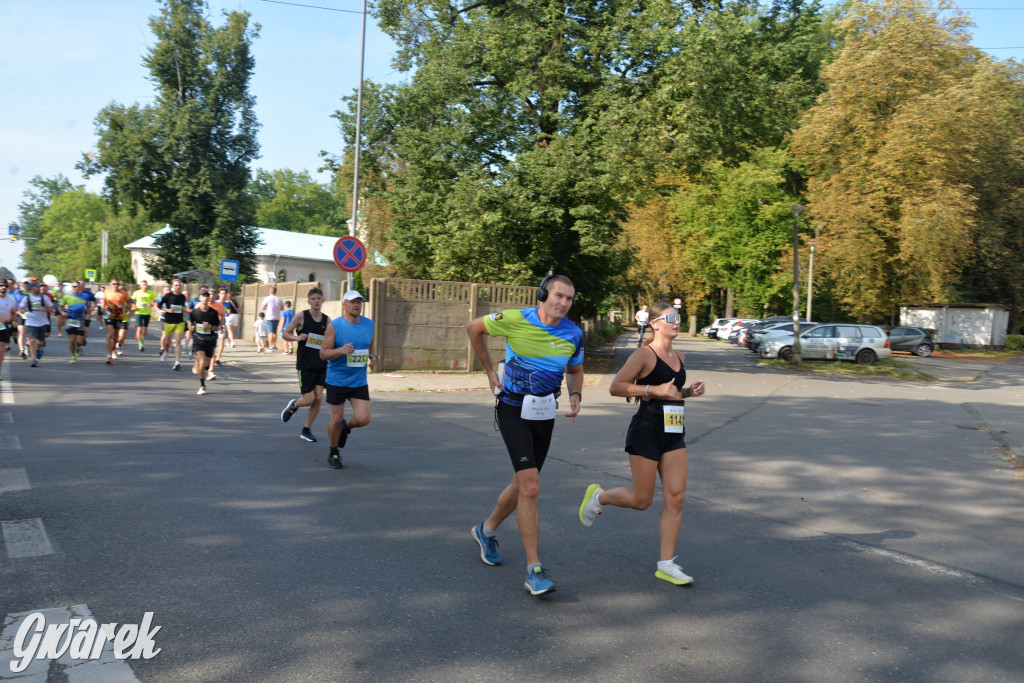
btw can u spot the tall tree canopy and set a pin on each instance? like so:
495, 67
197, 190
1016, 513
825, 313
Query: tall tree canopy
185, 158
914, 160
528, 127
286, 200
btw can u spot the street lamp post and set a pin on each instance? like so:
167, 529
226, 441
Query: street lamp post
796, 209
810, 278
354, 224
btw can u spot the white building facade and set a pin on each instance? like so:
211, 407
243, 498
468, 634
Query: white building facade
281, 257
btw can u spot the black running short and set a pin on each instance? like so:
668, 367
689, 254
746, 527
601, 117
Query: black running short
338, 395
527, 441
204, 345
5, 333
647, 437
311, 379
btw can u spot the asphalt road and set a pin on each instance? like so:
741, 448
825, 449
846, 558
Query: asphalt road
837, 530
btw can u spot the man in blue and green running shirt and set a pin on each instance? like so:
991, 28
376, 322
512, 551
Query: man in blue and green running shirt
541, 347
75, 307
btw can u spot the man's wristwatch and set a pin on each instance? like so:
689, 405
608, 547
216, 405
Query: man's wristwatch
576, 393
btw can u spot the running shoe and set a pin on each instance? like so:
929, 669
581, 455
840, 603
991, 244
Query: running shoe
488, 545
538, 582
672, 573
194, 370
334, 461
345, 431
177, 365
217, 362
110, 361
307, 435
201, 392
73, 360
24, 355
163, 355
34, 364
141, 347
210, 375
590, 508
289, 410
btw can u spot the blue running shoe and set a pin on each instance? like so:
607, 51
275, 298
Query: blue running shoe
488, 545
538, 582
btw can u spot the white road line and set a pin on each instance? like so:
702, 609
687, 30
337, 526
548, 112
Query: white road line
106, 669
26, 538
10, 442
13, 479
6, 391
6, 419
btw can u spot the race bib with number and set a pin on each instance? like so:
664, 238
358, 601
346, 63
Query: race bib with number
175, 308
317, 341
204, 328
673, 419
539, 407
359, 358
71, 323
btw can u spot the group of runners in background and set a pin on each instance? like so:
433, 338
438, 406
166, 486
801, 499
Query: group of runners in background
28, 314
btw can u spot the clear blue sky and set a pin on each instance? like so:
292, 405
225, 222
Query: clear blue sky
62, 61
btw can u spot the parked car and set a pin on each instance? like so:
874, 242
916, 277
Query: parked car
717, 323
773, 329
739, 335
916, 340
727, 329
864, 344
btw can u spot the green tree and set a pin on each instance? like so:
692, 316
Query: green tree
184, 160
30, 211
914, 163
286, 200
733, 229
736, 81
70, 238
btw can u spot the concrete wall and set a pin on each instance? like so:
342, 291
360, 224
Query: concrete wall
961, 326
419, 324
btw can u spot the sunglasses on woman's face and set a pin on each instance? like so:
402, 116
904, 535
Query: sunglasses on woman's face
668, 317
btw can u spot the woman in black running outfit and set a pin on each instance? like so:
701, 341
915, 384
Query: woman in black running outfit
656, 377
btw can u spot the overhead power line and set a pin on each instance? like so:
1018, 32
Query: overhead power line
297, 4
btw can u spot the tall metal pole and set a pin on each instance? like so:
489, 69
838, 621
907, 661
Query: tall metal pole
796, 209
358, 142
810, 279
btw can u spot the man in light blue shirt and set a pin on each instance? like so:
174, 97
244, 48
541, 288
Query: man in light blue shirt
346, 348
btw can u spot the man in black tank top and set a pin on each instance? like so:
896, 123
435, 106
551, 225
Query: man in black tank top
308, 330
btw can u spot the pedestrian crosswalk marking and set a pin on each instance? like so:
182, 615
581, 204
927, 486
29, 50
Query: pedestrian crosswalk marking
6, 394
13, 479
26, 538
10, 442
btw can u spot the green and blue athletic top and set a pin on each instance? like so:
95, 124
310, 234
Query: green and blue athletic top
74, 306
536, 354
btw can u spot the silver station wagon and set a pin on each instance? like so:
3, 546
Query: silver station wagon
863, 344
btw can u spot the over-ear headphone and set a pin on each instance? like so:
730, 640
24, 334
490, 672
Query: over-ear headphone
542, 290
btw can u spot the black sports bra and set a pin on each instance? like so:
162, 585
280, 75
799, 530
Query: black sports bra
663, 372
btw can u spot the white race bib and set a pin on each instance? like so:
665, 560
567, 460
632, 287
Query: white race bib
204, 328
358, 358
71, 323
316, 341
674, 419
539, 407
175, 308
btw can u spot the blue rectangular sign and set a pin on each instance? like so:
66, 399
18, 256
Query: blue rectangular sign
229, 271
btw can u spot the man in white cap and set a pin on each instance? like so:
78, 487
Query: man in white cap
346, 348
